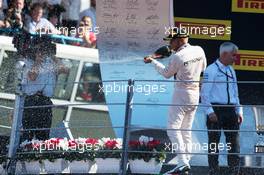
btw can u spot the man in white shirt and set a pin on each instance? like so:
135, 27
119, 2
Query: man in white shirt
186, 64
39, 81
37, 24
227, 118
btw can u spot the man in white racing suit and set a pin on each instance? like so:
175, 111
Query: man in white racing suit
186, 64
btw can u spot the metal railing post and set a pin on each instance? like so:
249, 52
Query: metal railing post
17, 121
127, 123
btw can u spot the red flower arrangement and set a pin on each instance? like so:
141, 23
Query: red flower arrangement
111, 144
109, 148
146, 148
91, 141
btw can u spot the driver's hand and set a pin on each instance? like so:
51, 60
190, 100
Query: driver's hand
148, 59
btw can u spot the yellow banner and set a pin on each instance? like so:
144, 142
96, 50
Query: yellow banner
250, 60
205, 28
248, 6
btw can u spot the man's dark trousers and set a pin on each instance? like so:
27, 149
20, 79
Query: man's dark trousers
227, 120
36, 118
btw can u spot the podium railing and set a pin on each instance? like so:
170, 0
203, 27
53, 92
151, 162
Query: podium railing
127, 127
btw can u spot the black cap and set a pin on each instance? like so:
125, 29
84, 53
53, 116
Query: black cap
176, 33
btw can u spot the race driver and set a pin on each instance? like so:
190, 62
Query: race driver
186, 64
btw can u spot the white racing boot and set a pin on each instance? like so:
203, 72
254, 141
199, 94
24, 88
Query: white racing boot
179, 170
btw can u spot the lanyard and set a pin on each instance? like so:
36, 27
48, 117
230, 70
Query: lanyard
227, 82
226, 74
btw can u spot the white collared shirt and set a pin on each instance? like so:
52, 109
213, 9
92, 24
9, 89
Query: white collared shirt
45, 81
33, 26
218, 92
187, 63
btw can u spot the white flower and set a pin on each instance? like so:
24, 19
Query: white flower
23, 144
119, 143
64, 144
144, 140
105, 139
100, 143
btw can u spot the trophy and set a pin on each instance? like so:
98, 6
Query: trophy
259, 118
